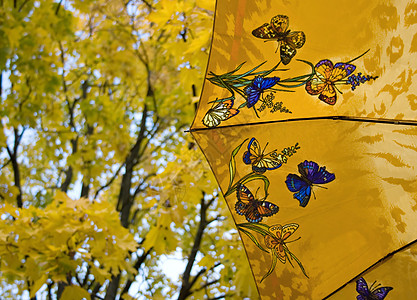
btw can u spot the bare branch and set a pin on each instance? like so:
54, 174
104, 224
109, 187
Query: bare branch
109, 182
57, 8
186, 286
137, 265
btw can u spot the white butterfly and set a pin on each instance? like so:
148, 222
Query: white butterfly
219, 112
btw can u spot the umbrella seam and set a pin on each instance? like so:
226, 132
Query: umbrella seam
342, 118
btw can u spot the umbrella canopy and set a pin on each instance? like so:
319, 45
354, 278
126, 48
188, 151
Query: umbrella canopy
308, 121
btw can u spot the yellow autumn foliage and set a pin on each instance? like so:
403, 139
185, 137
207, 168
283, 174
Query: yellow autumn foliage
39, 244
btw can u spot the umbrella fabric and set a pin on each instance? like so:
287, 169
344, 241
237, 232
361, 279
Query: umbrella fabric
312, 138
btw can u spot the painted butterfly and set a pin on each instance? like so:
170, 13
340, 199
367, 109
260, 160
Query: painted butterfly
278, 242
257, 87
219, 112
323, 83
288, 41
372, 293
260, 162
310, 175
253, 209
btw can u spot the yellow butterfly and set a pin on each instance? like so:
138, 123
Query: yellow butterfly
323, 82
277, 240
219, 112
261, 162
288, 41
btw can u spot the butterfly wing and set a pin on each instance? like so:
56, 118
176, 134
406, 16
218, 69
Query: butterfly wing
381, 293
244, 195
323, 70
253, 92
251, 208
314, 174
274, 30
220, 112
289, 44
295, 183
287, 52
245, 206
267, 82
257, 87
288, 230
231, 112
303, 195
321, 84
265, 31
253, 153
269, 161
266, 209
340, 71
328, 94
362, 289
295, 39
249, 211
308, 169
280, 23
300, 187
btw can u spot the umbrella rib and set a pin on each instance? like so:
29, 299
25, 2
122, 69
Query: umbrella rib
342, 118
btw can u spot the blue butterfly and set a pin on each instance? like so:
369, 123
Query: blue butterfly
310, 175
372, 293
258, 86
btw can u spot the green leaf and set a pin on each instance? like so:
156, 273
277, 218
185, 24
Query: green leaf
297, 260
232, 163
255, 227
258, 177
273, 264
243, 105
253, 238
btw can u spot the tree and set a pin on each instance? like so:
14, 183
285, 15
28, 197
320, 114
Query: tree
98, 180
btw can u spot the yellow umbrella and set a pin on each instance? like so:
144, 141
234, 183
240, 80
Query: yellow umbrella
308, 121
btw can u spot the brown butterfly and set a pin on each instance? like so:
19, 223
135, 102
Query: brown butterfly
287, 41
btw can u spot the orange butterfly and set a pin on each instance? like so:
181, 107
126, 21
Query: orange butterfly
323, 82
278, 238
288, 41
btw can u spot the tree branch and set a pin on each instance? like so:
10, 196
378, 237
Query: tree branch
15, 165
57, 8
137, 265
125, 200
185, 290
109, 182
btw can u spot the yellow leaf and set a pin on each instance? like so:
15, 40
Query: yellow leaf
206, 261
206, 4
75, 292
37, 285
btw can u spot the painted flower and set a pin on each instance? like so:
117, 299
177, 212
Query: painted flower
356, 80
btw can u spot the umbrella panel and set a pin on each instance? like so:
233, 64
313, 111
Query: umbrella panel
365, 213
336, 31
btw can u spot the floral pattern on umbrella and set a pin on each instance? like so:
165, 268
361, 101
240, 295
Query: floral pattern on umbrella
256, 87
275, 241
259, 163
